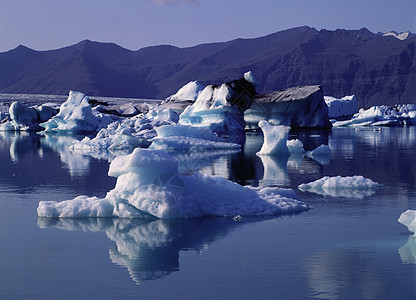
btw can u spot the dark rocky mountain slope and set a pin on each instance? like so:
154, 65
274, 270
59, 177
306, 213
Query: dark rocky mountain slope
377, 69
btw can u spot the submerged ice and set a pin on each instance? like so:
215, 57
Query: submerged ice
148, 184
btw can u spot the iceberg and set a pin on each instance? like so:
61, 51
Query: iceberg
295, 146
297, 107
183, 137
27, 118
127, 134
275, 139
221, 108
349, 187
149, 185
163, 114
408, 219
212, 162
383, 115
189, 91
76, 115
341, 108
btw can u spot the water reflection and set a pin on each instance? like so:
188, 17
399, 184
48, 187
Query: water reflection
76, 163
21, 144
404, 137
275, 171
149, 249
346, 274
356, 151
407, 252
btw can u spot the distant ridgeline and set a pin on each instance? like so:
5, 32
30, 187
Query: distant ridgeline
377, 69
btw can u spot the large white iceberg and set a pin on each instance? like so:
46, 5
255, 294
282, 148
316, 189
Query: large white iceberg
148, 184
344, 107
76, 115
349, 187
296, 107
408, 219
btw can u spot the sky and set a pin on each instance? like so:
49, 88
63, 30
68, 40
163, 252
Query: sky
133, 24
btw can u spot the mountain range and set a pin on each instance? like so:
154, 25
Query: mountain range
377, 69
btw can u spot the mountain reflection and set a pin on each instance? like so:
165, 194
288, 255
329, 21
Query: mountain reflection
149, 249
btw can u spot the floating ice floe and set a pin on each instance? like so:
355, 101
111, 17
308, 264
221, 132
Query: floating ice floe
183, 137
27, 118
408, 219
148, 184
349, 187
76, 115
340, 108
383, 115
221, 108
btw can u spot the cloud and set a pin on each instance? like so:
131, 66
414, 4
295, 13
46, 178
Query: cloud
165, 2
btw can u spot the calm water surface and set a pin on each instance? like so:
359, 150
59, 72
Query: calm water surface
343, 248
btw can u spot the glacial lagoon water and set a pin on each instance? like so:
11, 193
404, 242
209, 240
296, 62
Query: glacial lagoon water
345, 247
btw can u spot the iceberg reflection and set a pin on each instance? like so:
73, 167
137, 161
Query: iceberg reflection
21, 143
407, 252
275, 171
77, 163
149, 249
345, 274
